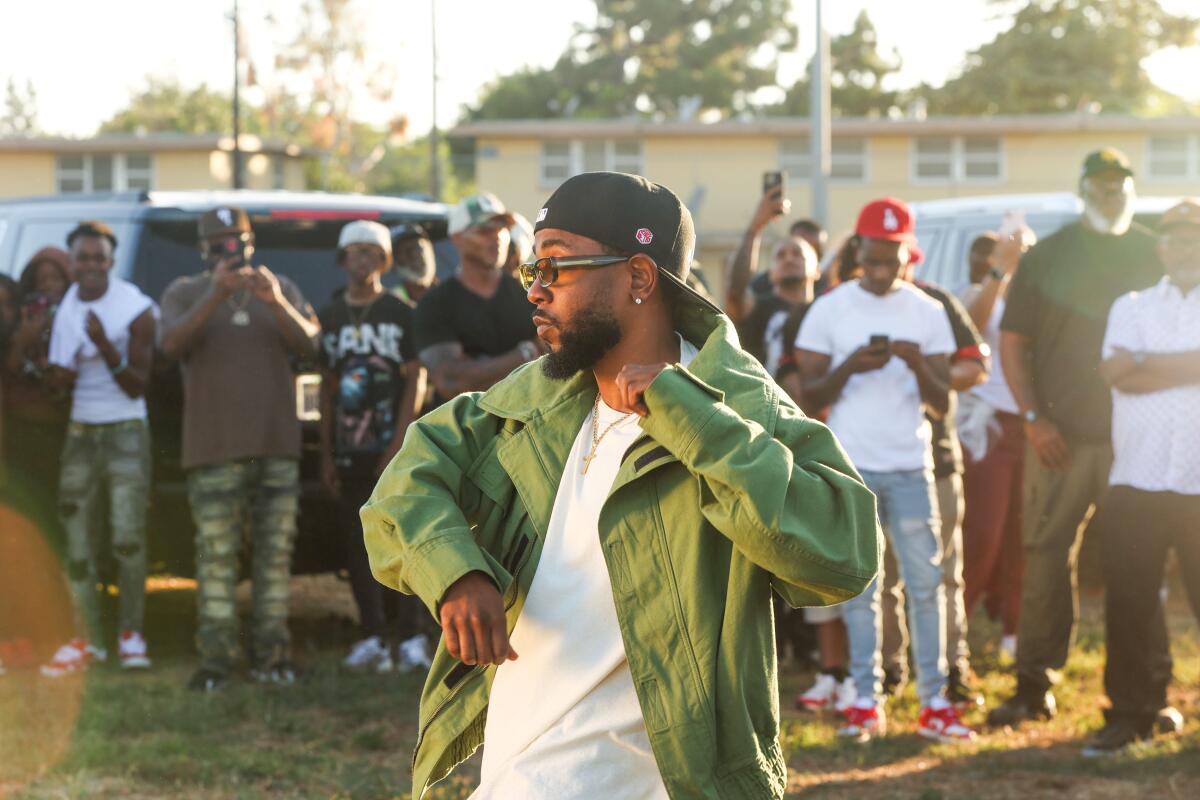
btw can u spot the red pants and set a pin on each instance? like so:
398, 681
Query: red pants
992, 549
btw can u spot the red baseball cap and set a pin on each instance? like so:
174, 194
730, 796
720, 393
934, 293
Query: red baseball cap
892, 220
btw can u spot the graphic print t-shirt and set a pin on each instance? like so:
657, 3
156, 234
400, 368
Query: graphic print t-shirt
364, 348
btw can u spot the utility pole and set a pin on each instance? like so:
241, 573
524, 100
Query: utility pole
435, 170
818, 117
238, 174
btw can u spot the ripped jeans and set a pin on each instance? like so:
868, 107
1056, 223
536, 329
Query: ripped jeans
113, 457
908, 513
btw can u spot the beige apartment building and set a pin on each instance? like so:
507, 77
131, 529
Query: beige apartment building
717, 168
52, 165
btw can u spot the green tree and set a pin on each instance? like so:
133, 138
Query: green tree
857, 71
166, 106
670, 58
20, 110
1063, 55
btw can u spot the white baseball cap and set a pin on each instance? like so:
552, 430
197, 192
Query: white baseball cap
364, 231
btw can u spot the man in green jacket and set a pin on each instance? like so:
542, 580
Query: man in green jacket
617, 514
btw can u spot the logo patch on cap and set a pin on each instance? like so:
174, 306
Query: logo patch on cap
644, 236
225, 215
542, 214
889, 220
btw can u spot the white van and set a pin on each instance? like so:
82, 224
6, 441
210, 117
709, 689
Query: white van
946, 228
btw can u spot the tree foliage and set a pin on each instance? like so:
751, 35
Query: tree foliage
666, 58
1061, 55
166, 106
20, 116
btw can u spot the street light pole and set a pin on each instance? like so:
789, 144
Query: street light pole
818, 116
435, 170
238, 175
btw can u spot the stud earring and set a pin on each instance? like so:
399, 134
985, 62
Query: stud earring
637, 300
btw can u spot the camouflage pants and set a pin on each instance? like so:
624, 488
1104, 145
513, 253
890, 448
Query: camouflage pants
262, 495
113, 458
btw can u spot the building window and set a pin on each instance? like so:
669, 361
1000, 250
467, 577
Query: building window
561, 159
847, 158
278, 171
958, 159
104, 172
1173, 157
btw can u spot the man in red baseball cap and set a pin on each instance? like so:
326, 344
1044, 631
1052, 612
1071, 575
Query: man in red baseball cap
876, 350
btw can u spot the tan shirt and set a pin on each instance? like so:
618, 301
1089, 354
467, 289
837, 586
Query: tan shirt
239, 390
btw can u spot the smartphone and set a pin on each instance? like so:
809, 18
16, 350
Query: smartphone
880, 342
1012, 222
773, 181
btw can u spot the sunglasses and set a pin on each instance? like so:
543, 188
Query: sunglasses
545, 270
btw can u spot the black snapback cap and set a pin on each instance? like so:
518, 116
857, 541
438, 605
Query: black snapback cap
628, 213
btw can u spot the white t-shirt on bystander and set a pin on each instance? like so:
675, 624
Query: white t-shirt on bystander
564, 720
879, 417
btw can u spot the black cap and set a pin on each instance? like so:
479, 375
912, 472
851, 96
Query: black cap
408, 230
1105, 160
628, 213
223, 221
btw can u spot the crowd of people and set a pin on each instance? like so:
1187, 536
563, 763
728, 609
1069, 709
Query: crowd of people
989, 425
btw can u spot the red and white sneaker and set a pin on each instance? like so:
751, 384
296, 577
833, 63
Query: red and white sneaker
940, 721
820, 696
863, 722
74, 656
133, 651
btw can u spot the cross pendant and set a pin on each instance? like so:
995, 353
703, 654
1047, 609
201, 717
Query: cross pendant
587, 461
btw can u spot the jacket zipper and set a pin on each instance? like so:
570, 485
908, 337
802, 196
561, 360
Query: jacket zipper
522, 549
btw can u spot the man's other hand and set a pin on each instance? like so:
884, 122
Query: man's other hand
1048, 443
473, 623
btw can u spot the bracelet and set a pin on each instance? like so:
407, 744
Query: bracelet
996, 274
119, 368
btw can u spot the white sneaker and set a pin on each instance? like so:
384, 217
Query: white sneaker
74, 656
133, 651
820, 696
369, 654
414, 653
847, 695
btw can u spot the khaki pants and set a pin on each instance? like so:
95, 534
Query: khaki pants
1058, 505
895, 631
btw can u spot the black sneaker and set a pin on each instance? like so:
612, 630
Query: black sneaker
960, 688
208, 681
281, 673
1168, 721
893, 681
1021, 707
1113, 739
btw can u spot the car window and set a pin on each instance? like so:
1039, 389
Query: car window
33, 235
302, 249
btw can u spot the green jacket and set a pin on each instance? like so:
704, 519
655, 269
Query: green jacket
731, 492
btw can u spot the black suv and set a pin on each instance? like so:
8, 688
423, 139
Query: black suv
296, 235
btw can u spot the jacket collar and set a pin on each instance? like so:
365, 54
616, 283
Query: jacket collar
721, 365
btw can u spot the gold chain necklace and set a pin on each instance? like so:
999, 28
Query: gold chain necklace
596, 435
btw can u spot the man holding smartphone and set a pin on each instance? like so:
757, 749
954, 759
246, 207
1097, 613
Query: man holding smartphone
795, 267
876, 350
235, 328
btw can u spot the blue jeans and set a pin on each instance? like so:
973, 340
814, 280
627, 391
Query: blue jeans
908, 513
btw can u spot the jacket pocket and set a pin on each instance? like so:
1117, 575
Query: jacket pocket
657, 720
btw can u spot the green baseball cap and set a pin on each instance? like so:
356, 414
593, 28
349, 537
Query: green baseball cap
477, 210
1107, 159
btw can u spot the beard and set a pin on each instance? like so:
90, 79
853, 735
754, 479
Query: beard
589, 337
1115, 225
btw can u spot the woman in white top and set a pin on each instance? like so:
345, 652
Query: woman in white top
993, 440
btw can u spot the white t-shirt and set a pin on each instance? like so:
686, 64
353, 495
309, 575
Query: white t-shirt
879, 417
1156, 435
96, 398
994, 391
563, 720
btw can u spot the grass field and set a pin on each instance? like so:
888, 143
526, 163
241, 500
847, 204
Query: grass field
114, 735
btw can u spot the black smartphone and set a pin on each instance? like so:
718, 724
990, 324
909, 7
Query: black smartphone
773, 181
880, 342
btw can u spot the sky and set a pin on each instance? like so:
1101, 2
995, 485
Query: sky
93, 56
